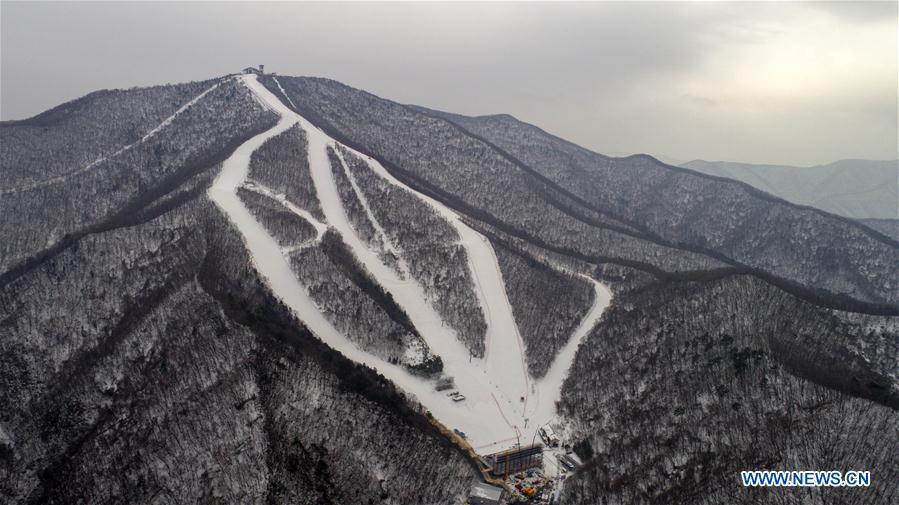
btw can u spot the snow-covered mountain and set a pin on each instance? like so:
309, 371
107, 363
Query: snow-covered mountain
282, 289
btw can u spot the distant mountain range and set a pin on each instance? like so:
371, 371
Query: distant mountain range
858, 189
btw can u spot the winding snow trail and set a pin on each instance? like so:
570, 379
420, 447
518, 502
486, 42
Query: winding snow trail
548, 390
493, 414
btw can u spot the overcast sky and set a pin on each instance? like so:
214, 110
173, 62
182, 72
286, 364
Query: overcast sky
778, 83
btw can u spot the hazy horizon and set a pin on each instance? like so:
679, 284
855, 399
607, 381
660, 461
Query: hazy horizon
786, 83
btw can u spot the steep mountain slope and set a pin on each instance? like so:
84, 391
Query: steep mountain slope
77, 133
799, 256
545, 327
150, 365
857, 189
683, 386
73, 198
144, 361
255, 301
889, 227
431, 250
496, 384
730, 221
281, 165
471, 177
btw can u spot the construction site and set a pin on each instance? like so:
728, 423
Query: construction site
524, 474
531, 474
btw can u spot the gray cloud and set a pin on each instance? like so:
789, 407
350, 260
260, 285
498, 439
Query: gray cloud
756, 82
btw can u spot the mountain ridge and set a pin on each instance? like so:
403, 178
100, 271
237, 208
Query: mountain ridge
854, 188
683, 167
496, 193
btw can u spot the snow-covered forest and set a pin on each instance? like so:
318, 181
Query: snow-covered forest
77, 133
281, 165
358, 306
288, 228
75, 200
360, 215
717, 216
245, 290
430, 248
646, 239
686, 384
470, 175
149, 364
548, 303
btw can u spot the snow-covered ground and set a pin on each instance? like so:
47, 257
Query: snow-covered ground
503, 404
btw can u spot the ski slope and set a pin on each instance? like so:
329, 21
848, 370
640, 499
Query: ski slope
281, 198
386, 243
503, 405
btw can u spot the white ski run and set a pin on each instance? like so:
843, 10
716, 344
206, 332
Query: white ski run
386, 243
503, 405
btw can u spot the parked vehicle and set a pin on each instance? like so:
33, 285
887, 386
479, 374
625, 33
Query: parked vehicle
566, 461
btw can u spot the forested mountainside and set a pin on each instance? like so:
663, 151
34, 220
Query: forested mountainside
857, 189
682, 386
281, 165
45, 210
723, 218
889, 227
468, 174
289, 229
789, 279
144, 359
545, 327
76, 133
148, 364
430, 248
